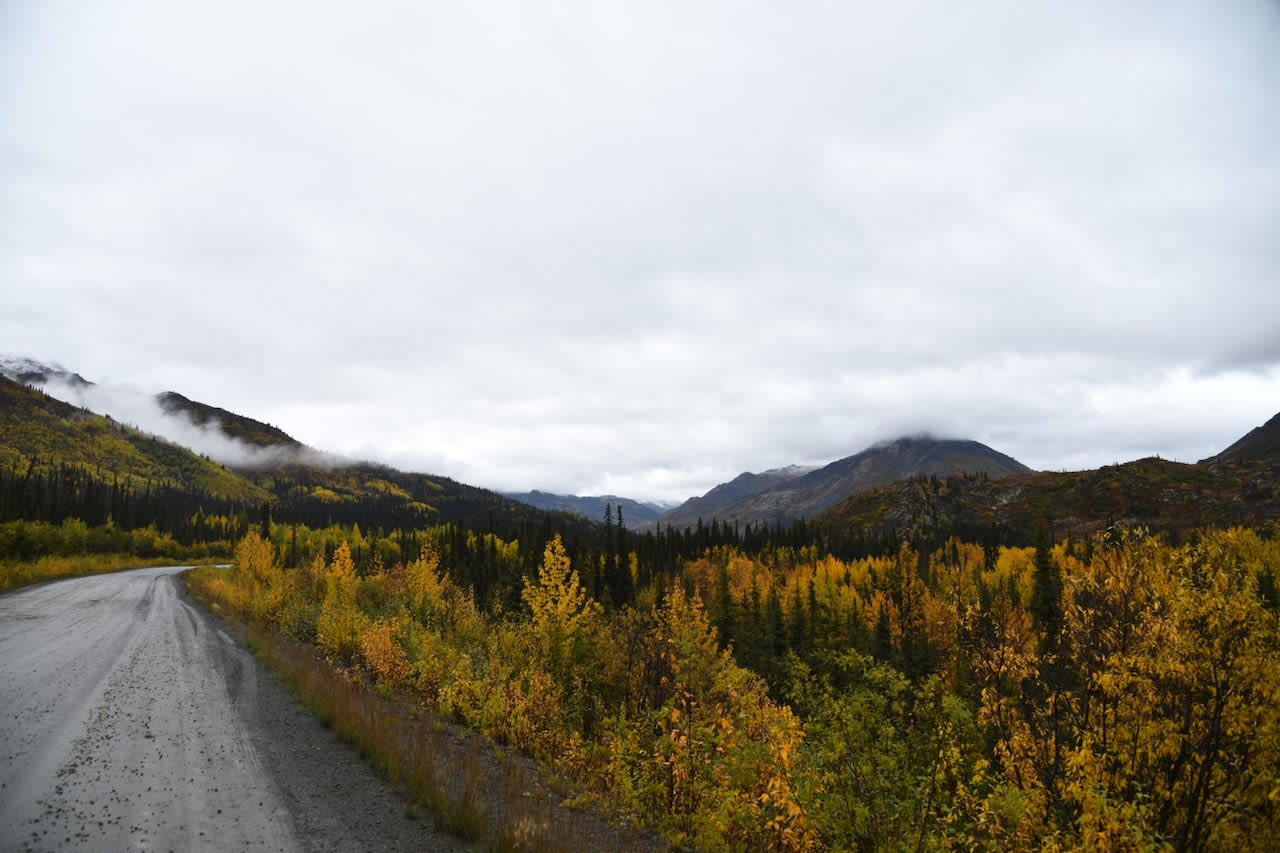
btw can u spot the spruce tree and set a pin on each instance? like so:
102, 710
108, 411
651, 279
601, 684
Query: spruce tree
882, 637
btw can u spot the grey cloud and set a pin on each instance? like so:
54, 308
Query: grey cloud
571, 247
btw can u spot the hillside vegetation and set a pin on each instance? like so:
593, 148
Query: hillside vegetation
1114, 694
41, 433
233, 426
60, 463
1171, 497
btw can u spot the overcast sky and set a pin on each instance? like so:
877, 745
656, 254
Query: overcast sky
640, 248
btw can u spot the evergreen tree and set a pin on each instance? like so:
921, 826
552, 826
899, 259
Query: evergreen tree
722, 607
1046, 594
882, 637
798, 633
775, 623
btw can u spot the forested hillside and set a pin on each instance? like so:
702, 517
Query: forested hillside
233, 426
41, 434
1115, 693
1171, 497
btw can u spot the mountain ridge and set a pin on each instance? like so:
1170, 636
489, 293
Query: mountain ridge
1158, 494
43, 438
913, 485
232, 425
634, 512
1261, 444
755, 499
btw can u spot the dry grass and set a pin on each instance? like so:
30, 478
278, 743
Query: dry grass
464, 813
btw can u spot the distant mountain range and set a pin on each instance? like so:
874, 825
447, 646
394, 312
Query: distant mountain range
634, 512
1164, 496
921, 486
1240, 485
917, 486
783, 495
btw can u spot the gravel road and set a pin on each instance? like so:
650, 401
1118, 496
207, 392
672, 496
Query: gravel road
130, 720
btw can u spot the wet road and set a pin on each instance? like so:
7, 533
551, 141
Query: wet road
121, 723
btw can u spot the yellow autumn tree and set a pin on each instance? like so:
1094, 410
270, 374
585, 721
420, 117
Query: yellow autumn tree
255, 562
562, 611
341, 624
425, 587
713, 757
1182, 738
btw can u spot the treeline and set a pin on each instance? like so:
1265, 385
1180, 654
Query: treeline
393, 510
55, 493
25, 541
486, 542
1112, 694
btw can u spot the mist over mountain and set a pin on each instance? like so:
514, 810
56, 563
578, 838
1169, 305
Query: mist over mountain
59, 459
39, 431
223, 436
919, 484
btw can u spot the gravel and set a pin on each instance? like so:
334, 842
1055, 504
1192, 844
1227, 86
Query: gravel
132, 719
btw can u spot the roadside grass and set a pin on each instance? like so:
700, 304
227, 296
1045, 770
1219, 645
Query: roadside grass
532, 825
20, 573
464, 813
402, 749
470, 790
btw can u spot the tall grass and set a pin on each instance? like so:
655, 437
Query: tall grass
403, 749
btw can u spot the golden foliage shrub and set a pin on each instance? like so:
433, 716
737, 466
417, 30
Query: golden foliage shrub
383, 655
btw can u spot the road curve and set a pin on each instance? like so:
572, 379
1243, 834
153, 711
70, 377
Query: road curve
131, 720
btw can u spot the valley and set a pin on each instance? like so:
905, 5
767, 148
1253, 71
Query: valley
926, 615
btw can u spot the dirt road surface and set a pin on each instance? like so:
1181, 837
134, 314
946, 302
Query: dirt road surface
130, 720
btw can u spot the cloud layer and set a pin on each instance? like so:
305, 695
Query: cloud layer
639, 251
144, 412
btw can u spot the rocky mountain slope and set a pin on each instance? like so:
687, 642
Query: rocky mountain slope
1261, 444
803, 493
1241, 485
